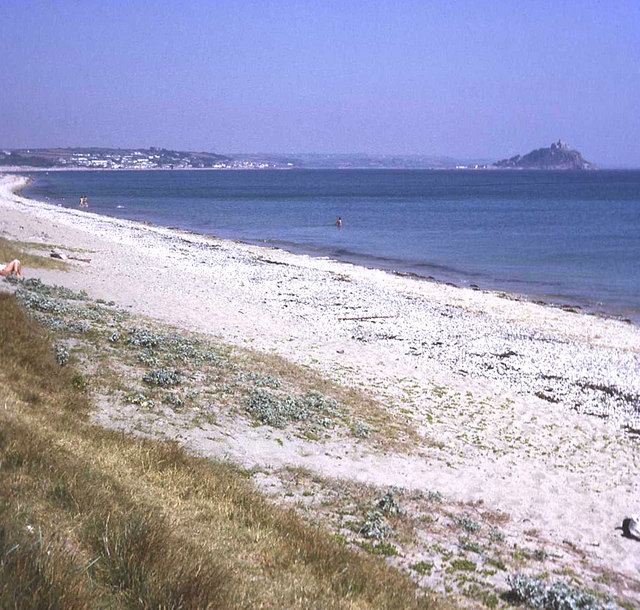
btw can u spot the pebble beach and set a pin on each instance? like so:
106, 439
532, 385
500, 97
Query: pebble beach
531, 409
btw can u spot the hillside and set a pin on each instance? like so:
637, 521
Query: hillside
557, 156
112, 158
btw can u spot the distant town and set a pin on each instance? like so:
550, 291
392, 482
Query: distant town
558, 156
162, 158
121, 158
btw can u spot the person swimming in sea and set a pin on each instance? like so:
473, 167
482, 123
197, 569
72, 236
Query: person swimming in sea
339, 222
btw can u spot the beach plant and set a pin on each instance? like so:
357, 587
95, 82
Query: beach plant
163, 377
79, 382
141, 400
259, 381
90, 313
173, 400
62, 354
374, 526
33, 300
361, 429
176, 349
147, 357
277, 411
142, 337
58, 324
183, 350
268, 381
268, 409
470, 545
435, 496
53, 301
558, 595
192, 394
389, 504
469, 524
77, 326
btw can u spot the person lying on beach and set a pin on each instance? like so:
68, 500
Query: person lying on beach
15, 266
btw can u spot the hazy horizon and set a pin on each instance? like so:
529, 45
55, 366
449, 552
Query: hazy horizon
479, 80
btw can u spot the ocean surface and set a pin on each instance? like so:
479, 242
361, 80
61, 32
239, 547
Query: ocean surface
562, 237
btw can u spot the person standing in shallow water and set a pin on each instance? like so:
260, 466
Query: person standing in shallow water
339, 222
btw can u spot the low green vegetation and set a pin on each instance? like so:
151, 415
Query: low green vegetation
463, 565
422, 567
374, 526
557, 595
277, 410
384, 549
469, 524
96, 518
206, 379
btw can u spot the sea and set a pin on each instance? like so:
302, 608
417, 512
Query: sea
566, 238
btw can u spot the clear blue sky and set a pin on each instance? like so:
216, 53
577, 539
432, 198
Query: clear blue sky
466, 79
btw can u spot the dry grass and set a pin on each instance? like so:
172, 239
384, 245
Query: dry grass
96, 518
10, 250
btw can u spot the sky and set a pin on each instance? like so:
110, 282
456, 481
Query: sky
444, 77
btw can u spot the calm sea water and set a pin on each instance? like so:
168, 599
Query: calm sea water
565, 237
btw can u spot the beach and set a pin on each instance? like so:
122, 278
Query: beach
532, 410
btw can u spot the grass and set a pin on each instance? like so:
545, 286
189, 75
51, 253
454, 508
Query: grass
97, 518
10, 250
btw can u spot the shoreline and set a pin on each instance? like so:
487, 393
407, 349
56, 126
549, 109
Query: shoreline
452, 277
572, 305
500, 391
101, 224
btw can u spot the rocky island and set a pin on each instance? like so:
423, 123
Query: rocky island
557, 156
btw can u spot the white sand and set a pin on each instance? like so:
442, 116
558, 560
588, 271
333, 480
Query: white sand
550, 465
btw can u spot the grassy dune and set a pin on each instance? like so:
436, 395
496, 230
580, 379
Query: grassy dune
93, 518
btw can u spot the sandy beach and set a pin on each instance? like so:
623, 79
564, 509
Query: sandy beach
530, 409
